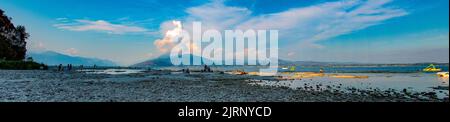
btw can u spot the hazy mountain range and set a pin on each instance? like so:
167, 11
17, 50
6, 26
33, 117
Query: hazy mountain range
164, 60
55, 58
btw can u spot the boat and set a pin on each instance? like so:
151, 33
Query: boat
238, 72
432, 68
292, 69
289, 68
442, 74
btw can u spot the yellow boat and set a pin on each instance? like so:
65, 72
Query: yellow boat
292, 69
442, 74
289, 69
432, 68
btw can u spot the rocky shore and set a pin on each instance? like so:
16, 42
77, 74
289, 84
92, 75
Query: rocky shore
166, 86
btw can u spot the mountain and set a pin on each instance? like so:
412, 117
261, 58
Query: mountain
282, 62
317, 63
54, 58
163, 60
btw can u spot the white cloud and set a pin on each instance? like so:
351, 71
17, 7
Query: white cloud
291, 54
36, 46
216, 15
170, 30
99, 25
325, 21
71, 51
299, 28
302, 26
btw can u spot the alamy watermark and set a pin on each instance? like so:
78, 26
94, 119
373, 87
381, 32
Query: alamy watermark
231, 47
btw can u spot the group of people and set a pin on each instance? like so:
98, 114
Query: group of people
61, 67
206, 68
70, 67
186, 71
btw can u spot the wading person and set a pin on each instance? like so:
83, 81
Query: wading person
59, 67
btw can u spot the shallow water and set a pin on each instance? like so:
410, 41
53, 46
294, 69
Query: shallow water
327, 69
112, 71
416, 82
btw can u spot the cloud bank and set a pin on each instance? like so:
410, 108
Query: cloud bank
98, 25
303, 26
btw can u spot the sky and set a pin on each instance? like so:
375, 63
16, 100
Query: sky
127, 32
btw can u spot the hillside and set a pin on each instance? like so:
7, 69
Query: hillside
54, 58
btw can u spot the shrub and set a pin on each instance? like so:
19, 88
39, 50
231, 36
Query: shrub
22, 65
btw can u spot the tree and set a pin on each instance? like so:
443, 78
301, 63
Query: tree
21, 42
21, 31
12, 39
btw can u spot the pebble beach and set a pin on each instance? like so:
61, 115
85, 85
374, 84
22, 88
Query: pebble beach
169, 86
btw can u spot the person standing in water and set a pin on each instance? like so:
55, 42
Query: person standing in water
81, 67
59, 67
69, 67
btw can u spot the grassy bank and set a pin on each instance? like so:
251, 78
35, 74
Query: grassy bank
21, 65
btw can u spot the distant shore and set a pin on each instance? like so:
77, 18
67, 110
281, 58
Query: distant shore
167, 86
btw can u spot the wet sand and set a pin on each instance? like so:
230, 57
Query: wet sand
166, 86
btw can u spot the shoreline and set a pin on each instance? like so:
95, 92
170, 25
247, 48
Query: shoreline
164, 86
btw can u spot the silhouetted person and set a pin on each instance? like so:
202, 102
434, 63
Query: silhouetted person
95, 66
60, 67
81, 67
187, 71
206, 68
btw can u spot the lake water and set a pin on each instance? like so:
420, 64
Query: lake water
369, 69
112, 71
417, 82
378, 77
327, 69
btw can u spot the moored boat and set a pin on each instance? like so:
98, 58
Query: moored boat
432, 68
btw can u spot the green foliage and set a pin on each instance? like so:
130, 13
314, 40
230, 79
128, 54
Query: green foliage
6, 50
12, 39
22, 65
13, 46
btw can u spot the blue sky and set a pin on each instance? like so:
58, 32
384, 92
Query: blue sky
370, 31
